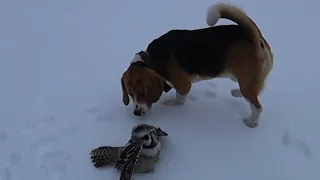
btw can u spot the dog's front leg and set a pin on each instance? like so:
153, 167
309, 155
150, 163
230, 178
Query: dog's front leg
179, 100
182, 90
178, 79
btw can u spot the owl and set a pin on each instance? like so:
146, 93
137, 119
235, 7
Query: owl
138, 156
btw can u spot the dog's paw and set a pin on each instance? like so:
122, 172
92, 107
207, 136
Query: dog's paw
249, 122
236, 93
173, 102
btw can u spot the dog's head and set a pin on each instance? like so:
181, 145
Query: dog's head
143, 85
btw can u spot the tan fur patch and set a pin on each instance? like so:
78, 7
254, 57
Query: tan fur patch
249, 70
142, 83
180, 80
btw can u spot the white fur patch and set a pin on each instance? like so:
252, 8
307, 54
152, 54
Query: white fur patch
253, 120
136, 58
141, 106
198, 78
169, 83
179, 100
213, 15
226, 74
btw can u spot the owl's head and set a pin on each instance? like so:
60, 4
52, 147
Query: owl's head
147, 134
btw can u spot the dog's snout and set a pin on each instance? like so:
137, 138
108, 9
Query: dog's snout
137, 112
140, 109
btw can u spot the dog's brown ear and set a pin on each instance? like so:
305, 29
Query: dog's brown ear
154, 89
125, 97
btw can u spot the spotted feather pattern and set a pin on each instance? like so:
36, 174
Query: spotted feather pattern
128, 159
105, 155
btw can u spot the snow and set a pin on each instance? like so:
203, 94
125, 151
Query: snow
60, 96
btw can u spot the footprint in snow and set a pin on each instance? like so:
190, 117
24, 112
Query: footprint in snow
56, 161
52, 159
192, 98
286, 139
303, 147
7, 174
59, 169
70, 132
93, 110
104, 117
55, 169
32, 125
3, 136
48, 119
212, 84
210, 94
56, 154
297, 143
15, 158
44, 144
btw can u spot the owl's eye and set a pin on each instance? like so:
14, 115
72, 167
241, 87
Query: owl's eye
145, 137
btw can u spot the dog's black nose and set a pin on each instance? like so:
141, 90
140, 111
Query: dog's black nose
137, 112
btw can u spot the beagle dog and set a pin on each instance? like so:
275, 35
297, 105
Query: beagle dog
179, 58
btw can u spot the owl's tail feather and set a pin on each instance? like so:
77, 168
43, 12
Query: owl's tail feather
105, 155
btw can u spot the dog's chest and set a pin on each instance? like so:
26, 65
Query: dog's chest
194, 79
198, 78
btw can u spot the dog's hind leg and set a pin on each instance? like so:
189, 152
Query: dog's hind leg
250, 87
255, 106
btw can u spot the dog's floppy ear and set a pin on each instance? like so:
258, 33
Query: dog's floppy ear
125, 97
154, 89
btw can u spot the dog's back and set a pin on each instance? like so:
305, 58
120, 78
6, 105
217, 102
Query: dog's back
197, 51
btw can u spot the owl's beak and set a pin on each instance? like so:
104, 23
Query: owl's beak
160, 132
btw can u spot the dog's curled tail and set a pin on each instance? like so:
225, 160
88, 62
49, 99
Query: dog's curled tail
237, 15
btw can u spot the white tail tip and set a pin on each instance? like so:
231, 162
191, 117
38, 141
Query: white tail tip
213, 15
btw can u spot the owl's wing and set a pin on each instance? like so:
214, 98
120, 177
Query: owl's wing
128, 159
105, 155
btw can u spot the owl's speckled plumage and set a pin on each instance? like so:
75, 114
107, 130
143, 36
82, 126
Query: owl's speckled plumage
137, 156
105, 155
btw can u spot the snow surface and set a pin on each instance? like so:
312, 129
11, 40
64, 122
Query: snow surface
60, 96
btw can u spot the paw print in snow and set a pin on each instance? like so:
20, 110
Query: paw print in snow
210, 94
3, 136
